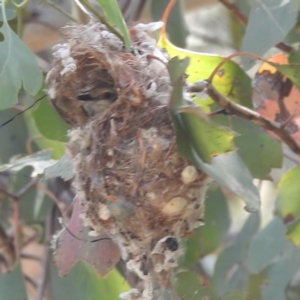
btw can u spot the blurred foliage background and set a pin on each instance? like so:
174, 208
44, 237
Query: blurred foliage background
236, 255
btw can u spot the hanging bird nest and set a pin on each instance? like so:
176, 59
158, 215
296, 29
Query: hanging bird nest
132, 183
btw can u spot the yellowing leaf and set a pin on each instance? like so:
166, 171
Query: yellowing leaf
230, 80
193, 127
208, 139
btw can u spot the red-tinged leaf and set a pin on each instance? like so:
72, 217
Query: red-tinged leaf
276, 95
103, 254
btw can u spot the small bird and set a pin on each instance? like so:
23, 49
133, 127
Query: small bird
97, 99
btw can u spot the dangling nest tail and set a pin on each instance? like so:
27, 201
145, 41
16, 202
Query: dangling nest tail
131, 181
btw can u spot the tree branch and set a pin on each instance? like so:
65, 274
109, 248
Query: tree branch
245, 113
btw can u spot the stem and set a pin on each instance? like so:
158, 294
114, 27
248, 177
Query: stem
57, 8
165, 16
103, 20
20, 9
245, 113
217, 68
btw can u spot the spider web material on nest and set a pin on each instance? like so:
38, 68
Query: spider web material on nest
130, 180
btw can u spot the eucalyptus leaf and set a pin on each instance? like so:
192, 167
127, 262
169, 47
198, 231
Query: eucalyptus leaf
83, 282
280, 273
268, 24
12, 285
207, 138
287, 202
176, 24
34, 205
292, 71
230, 80
38, 161
230, 171
192, 125
62, 168
190, 286
10, 12
266, 246
18, 67
13, 136
113, 14
58, 148
259, 151
49, 123
230, 272
207, 238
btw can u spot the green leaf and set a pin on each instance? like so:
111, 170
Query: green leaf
230, 272
192, 125
176, 25
38, 161
208, 139
12, 285
292, 71
280, 273
230, 80
34, 206
83, 282
63, 168
18, 66
266, 246
49, 123
230, 171
238, 295
190, 286
13, 136
113, 14
268, 24
10, 12
227, 169
260, 152
58, 148
207, 239
287, 202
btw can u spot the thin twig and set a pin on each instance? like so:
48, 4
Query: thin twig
243, 20
7, 251
55, 200
7, 193
30, 240
103, 20
15, 197
30, 256
16, 226
31, 281
42, 284
22, 192
245, 113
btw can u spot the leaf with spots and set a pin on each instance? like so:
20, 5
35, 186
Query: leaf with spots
287, 203
207, 138
231, 80
194, 129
